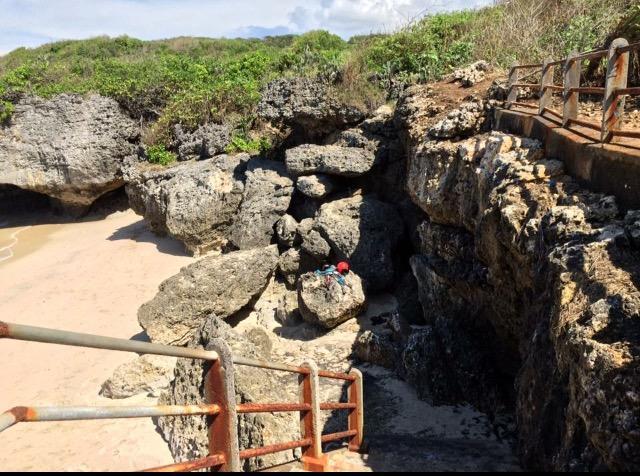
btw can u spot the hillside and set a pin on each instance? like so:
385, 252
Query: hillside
192, 81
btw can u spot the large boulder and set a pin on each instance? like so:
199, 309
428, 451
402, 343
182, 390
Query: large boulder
216, 284
148, 374
311, 159
322, 300
307, 105
194, 202
188, 437
71, 148
365, 232
205, 142
267, 195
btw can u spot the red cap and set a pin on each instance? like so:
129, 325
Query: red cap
343, 267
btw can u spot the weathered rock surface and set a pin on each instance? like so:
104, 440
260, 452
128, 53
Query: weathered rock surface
376, 348
324, 301
188, 437
315, 186
266, 198
149, 375
195, 202
307, 105
216, 284
203, 143
465, 121
295, 262
516, 254
287, 312
69, 147
365, 232
472, 74
287, 231
311, 159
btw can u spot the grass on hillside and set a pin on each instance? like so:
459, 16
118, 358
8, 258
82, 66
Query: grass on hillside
196, 80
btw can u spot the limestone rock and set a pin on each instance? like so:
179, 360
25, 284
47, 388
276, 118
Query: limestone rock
315, 245
311, 159
287, 231
472, 74
216, 284
149, 375
287, 312
376, 348
193, 202
325, 302
462, 122
365, 232
188, 437
266, 198
293, 263
71, 148
307, 105
315, 186
205, 142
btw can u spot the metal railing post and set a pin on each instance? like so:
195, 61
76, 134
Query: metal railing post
617, 76
220, 390
571, 80
546, 94
513, 91
356, 415
312, 457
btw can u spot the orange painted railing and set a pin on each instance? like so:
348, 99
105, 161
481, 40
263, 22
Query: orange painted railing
224, 452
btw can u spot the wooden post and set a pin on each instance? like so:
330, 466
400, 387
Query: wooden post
617, 76
513, 91
546, 95
571, 80
356, 416
220, 390
312, 458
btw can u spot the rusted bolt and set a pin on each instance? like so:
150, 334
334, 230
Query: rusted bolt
4, 329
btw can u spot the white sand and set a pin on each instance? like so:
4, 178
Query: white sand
86, 277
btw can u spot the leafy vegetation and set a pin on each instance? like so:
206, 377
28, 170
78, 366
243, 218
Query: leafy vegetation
159, 155
192, 81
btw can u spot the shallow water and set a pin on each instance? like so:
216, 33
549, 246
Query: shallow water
17, 241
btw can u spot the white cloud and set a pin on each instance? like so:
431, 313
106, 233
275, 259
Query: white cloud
33, 22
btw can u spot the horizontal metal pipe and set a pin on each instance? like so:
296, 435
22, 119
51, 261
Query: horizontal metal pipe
525, 85
337, 406
338, 436
587, 90
42, 414
267, 450
589, 56
627, 92
524, 104
335, 376
270, 365
52, 336
625, 49
590, 125
273, 407
188, 466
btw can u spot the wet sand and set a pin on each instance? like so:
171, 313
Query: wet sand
87, 277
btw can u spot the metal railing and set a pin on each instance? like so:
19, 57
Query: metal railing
614, 92
220, 405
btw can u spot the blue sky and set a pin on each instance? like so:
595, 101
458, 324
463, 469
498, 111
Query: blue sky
34, 22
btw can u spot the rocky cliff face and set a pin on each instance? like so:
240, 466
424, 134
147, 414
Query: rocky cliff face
523, 276
70, 148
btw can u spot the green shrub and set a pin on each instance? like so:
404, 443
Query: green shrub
6, 111
241, 143
157, 154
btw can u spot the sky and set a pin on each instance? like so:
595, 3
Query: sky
35, 22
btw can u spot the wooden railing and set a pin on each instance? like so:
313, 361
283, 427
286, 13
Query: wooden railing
614, 91
220, 401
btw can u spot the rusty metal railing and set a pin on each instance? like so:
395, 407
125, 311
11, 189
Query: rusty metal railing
614, 92
224, 452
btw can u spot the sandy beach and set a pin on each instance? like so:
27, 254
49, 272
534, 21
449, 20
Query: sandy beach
90, 277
